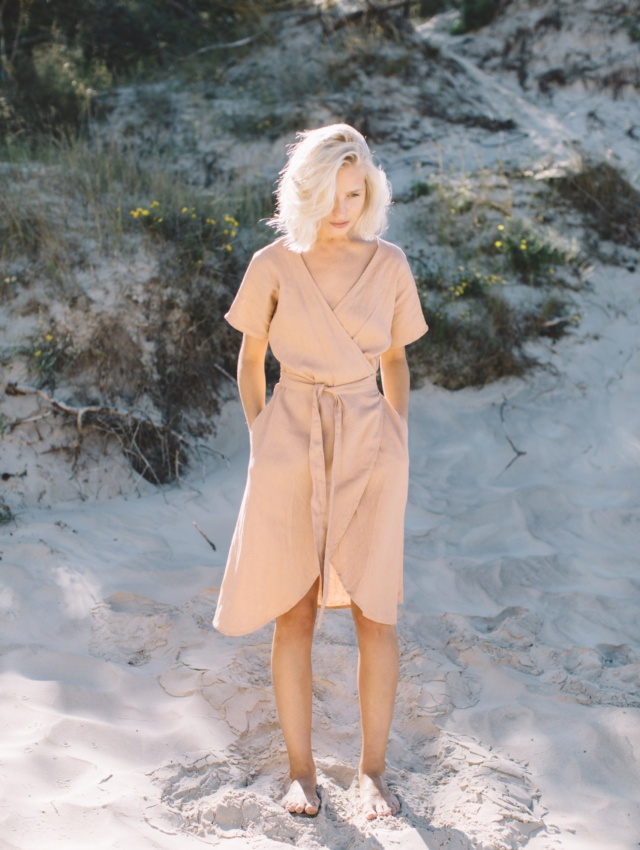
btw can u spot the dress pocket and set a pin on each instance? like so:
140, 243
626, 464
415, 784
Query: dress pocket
401, 424
401, 421
256, 421
263, 416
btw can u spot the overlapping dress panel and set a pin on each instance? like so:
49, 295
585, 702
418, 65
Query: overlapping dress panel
327, 481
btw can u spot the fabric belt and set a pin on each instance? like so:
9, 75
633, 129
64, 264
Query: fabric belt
321, 509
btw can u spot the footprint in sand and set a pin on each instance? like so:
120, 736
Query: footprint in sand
455, 793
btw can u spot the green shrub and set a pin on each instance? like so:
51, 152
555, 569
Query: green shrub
194, 232
475, 335
475, 14
472, 348
428, 8
527, 252
50, 356
62, 53
632, 26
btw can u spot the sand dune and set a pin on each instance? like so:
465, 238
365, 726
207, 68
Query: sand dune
128, 722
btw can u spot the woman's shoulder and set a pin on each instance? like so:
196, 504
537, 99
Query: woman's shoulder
274, 253
392, 252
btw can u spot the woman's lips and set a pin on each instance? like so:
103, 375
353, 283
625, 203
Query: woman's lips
339, 223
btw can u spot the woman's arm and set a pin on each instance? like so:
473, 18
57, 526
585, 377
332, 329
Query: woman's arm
252, 382
394, 372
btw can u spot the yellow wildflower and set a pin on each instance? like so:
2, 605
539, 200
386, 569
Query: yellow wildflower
184, 210
38, 353
229, 248
155, 204
49, 337
498, 244
501, 227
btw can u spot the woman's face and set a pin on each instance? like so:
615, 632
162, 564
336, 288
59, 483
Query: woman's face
351, 196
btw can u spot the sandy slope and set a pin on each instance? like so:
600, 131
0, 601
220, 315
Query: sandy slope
128, 722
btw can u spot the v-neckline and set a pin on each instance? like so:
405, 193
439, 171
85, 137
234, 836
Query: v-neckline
353, 286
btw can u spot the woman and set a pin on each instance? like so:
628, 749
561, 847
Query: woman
321, 522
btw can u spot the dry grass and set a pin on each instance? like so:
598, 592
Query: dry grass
610, 204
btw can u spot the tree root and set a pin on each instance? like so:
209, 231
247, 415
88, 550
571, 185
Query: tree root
154, 451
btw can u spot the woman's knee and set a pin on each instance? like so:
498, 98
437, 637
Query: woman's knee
302, 617
370, 629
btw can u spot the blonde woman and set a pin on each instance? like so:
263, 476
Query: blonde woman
321, 521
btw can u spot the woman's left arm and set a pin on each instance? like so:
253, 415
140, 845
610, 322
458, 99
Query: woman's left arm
394, 372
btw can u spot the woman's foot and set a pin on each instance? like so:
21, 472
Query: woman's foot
376, 799
302, 797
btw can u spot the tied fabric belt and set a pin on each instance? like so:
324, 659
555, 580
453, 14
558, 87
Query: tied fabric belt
321, 510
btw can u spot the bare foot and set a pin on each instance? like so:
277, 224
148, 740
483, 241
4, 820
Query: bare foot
302, 797
375, 797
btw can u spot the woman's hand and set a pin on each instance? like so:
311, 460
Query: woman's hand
252, 382
394, 372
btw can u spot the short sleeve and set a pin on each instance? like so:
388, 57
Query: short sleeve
256, 300
408, 322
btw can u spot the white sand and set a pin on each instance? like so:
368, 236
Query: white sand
128, 722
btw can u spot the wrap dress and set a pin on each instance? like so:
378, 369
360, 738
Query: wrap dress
328, 470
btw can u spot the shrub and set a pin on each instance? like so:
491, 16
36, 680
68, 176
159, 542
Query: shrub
50, 356
193, 231
632, 26
6, 514
475, 335
609, 202
472, 348
528, 252
61, 53
475, 14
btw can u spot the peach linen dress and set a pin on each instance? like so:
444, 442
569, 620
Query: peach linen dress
328, 470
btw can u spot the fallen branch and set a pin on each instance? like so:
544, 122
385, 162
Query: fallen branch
226, 45
155, 451
210, 542
552, 323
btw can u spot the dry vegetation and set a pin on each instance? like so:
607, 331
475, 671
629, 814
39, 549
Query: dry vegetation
120, 251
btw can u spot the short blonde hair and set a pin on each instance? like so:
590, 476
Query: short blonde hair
307, 185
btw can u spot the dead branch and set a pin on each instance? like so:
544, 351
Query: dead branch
34, 417
552, 323
210, 542
225, 373
227, 45
154, 451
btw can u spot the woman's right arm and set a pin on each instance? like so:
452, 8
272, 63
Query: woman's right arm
252, 382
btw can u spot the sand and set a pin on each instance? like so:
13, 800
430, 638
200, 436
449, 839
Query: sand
128, 722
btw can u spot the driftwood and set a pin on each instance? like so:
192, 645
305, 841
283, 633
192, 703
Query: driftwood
226, 45
154, 451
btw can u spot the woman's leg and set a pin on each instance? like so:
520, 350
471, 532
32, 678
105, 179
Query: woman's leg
291, 670
377, 683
